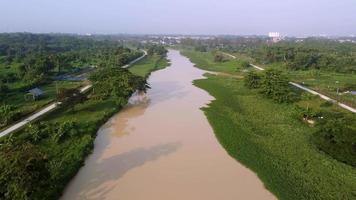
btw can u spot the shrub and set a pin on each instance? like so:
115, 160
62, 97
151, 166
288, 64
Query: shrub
23, 171
219, 58
245, 64
336, 137
252, 80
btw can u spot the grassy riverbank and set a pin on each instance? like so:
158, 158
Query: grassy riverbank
205, 61
149, 64
267, 138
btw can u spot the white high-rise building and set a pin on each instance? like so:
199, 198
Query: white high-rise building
275, 36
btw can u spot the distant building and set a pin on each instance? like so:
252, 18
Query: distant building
275, 36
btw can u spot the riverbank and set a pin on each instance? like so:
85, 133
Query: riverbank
267, 138
62, 143
149, 64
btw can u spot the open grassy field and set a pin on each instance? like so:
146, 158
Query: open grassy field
148, 64
269, 139
327, 83
205, 61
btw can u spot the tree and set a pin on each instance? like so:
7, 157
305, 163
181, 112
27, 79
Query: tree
275, 85
71, 97
116, 82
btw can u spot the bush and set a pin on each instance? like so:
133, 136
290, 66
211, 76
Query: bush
252, 80
336, 137
245, 64
7, 114
219, 58
23, 171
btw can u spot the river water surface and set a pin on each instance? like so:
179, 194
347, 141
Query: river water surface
161, 147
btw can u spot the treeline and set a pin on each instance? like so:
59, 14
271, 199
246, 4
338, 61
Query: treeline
294, 54
157, 49
324, 55
32, 58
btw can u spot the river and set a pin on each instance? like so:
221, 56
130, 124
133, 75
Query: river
161, 147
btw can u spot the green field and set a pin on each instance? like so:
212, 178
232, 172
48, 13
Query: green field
269, 139
148, 64
205, 61
327, 83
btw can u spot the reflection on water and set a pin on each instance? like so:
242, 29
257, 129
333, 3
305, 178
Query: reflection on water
118, 165
161, 146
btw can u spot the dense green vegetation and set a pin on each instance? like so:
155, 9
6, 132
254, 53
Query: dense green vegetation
336, 137
272, 140
275, 85
309, 54
34, 60
325, 65
39, 160
56, 149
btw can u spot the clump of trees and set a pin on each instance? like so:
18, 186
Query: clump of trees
272, 84
157, 49
218, 57
116, 82
70, 97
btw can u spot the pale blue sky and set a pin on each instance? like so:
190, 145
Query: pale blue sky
292, 17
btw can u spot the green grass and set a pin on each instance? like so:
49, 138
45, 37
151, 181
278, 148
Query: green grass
269, 139
327, 83
148, 64
205, 61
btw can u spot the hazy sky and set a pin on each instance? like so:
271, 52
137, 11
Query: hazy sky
291, 17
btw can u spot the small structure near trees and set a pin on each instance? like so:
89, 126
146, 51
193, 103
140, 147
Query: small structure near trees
34, 93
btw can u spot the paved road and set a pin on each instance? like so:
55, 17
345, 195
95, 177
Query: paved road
52, 106
311, 91
136, 60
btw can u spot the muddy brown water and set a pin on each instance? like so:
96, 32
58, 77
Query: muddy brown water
162, 147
